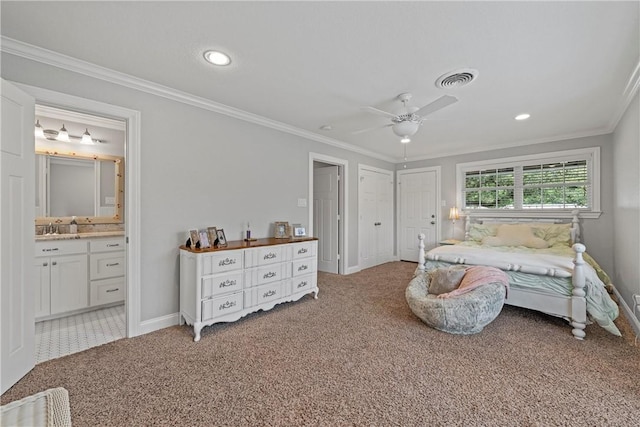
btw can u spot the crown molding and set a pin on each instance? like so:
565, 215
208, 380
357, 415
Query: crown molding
630, 91
58, 60
74, 116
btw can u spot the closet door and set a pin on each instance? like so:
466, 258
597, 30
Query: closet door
375, 206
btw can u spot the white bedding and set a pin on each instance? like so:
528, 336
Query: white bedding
555, 262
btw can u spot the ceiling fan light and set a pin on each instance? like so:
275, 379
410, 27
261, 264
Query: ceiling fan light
39, 130
63, 135
405, 140
406, 128
86, 137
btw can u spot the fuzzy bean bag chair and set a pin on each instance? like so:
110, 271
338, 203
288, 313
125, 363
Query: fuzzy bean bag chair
443, 300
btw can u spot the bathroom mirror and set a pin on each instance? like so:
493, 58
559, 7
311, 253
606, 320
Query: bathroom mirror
89, 187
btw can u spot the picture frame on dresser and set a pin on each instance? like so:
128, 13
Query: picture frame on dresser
194, 235
212, 234
281, 230
299, 230
204, 239
222, 239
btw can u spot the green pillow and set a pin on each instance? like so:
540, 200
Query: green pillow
445, 279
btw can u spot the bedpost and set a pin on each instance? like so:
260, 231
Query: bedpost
421, 252
578, 301
467, 225
575, 225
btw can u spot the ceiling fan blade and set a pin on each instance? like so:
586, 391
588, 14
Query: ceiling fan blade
379, 112
436, 105
356, 132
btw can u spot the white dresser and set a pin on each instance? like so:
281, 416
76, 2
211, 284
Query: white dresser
225, 284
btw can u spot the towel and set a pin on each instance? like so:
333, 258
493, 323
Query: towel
477, 276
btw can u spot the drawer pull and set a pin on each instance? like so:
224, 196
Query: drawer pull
112, 290
113, 245
227, 304
303, 267
270, 255
269, 294
269, 275
227, 283
113, 265
226, 261
302, 284
50, 250
302, 251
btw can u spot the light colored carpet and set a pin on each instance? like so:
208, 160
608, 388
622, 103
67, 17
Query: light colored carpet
355, 356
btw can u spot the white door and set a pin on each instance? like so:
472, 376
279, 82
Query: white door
325, 217
375, 196
418, 212
17, 244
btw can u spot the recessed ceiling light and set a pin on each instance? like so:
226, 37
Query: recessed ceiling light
524, 116
217, 58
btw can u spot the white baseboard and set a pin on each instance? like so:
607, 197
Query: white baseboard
628, 312
351, 270
158, 323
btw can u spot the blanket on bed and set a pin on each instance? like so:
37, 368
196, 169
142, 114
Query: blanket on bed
477, 276
552, 262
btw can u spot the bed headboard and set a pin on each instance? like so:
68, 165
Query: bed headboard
476, 217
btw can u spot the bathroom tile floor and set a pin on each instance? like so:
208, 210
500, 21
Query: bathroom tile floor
61, 337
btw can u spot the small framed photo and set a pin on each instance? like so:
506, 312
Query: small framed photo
299, 230
222, 240
195, 237
204, 239
281, 230
212, 233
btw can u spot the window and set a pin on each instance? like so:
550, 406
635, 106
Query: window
548, 182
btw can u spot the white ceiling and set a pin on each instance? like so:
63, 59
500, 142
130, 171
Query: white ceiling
305, 64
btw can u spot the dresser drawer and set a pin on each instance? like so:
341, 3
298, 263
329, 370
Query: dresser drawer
304, 266
304, 250
221, 306
221, 283
107, 264
221, 262
61, 247
266, 255
107, 244
106, 291
267, 274
264, 294
303, 283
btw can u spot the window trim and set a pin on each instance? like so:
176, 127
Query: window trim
592, 155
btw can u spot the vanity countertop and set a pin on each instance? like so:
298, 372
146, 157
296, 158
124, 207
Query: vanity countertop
88, 235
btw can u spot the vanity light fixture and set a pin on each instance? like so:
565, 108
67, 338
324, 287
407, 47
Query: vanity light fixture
86, 137
524, 116
39, 131
63, 135
216, 57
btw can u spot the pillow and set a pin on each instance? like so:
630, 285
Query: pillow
554, 234
445, 279
477, 232
515, 235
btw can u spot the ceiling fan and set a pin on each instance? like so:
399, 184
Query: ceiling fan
406, 122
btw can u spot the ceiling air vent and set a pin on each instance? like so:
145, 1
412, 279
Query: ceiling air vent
456, 79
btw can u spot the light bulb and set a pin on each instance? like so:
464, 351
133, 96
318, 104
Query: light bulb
63, 135
405, 140
86, 137
39, 131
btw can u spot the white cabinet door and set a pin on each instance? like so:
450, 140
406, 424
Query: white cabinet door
69, 283
43, 287
418, 212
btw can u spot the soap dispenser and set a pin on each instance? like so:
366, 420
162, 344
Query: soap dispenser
73, 226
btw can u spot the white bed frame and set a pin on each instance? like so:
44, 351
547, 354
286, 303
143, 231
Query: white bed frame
573, 308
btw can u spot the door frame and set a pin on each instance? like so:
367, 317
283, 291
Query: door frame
399, 173
343, 205
361, 167
132, 185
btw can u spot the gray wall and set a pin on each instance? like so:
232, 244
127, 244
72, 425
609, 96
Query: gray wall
626, 203
199, 169
597, 234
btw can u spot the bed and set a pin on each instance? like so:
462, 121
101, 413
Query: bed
548, 268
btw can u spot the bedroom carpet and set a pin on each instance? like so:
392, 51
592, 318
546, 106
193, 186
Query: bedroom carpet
355, 356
